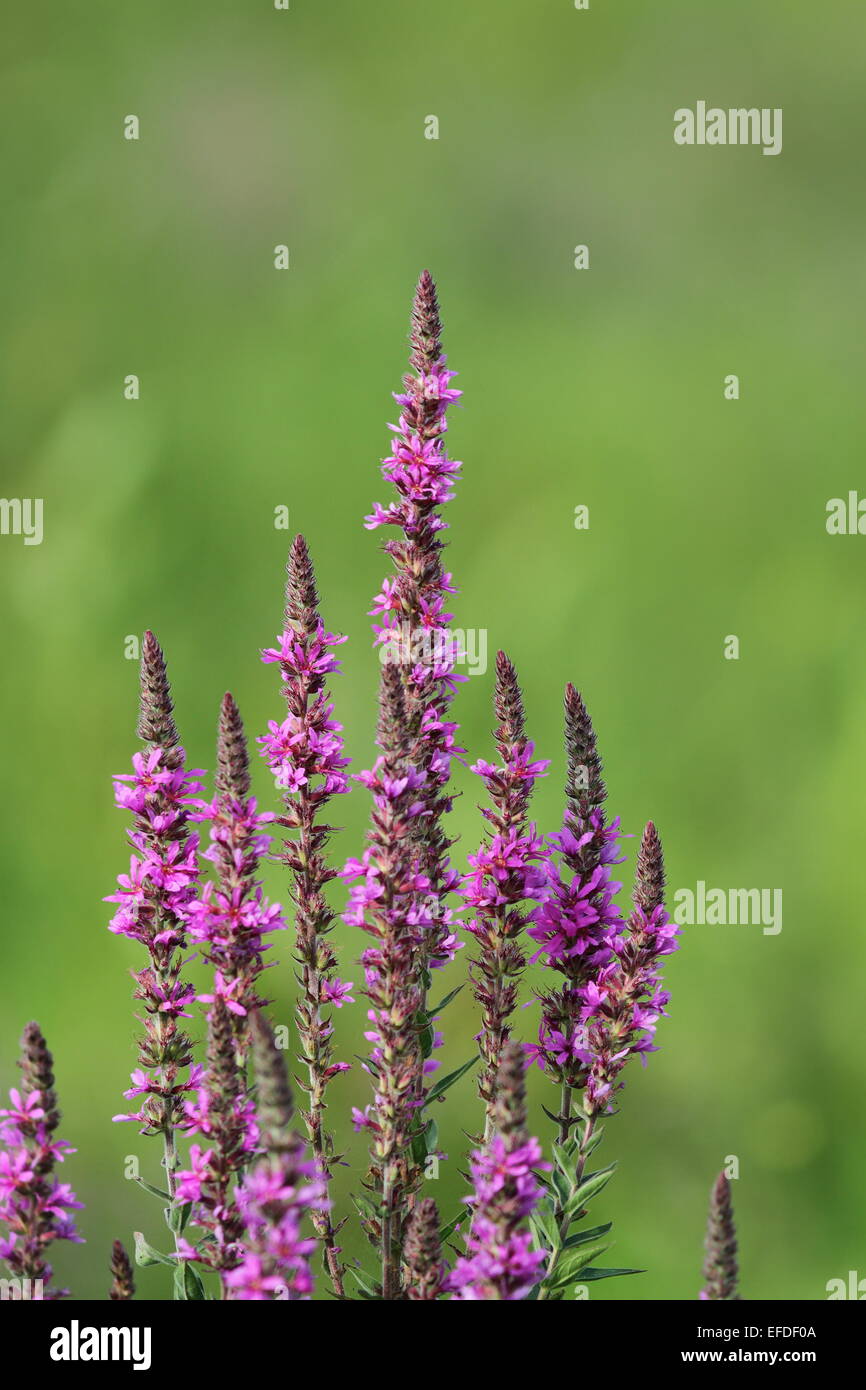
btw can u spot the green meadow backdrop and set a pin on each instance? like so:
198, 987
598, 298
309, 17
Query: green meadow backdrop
601, 387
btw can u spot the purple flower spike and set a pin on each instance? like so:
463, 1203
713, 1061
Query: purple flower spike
506, 874
225, 1118
387, 902
412, 628
501, 1263
280, 1190
306, 754
577, 922
626, 1005
122, 1278
154, 900
721, 1272
231, 918
422, 1252
34, 1205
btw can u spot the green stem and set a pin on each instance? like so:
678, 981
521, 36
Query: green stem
170, 1164
565, 1221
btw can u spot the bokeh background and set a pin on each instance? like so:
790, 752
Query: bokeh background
601, 387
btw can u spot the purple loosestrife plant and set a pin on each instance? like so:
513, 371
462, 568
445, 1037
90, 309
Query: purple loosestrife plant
502, 1262
426, 1271
204, 1193
387, 902
721, 1272
251, 1205
153, 900
34, 1205
630, 998
231, 917
505, 875
607, 1010
122, 1278
411, 625
305, 752
280, 1190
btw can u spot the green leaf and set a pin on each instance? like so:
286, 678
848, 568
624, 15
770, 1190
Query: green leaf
146, 1255
589, 1188
367, 1207
569, 1265
448, 1081
435, 1009
563, 1157
426, 1035
584, 1237
418, 1145
591, 1144
365, 1282
154, 1191
562, 1187
448, 1230
188, 1286
587, 1275
177, 1216
431, 1137
545, 1225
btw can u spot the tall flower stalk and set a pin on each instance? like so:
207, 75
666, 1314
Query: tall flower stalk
721, 1271
501, 1263
282, 1188
577, 922
505, 875
412, 630
153, 901
225, 1119
607, 1009
387, 902
305, 752
231, 917
122, 1277
34, 1205
630, 999
426, 1271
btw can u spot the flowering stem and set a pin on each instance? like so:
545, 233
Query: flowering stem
313, 1029
170, 1163
306, 753
565, 1113
564, 1220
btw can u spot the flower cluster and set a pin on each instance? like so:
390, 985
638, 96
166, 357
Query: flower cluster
226, 1119
306, 754
34, 1205
250, 1204
412, 627
388, 902
155, 896
629, 999
506, 874
577, 922
425, 1270
501, 1262
277, 1194
230, 917
721, 1271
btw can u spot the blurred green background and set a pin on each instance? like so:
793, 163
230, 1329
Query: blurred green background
601, 387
